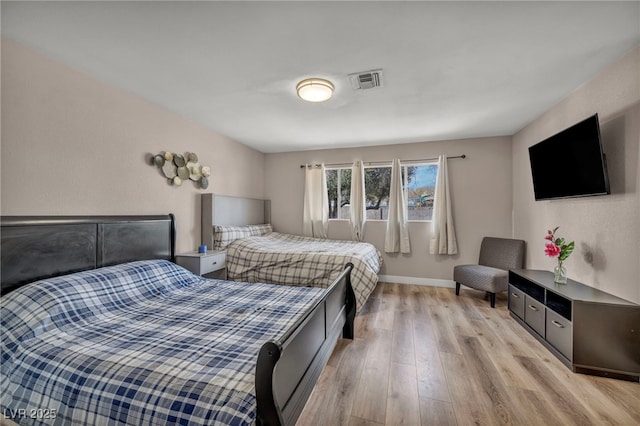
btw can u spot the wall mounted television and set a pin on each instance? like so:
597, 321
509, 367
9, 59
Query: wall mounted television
570, 163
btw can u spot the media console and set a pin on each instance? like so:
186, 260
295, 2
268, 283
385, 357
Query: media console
590, 331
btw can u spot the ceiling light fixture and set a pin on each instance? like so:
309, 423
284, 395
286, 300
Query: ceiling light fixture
315, 89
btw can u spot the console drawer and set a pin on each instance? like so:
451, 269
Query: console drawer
534, 314
516, 301
559, 333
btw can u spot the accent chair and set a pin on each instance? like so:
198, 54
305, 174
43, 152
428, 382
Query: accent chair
497, 256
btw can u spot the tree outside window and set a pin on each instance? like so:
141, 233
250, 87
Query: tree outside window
339, 189
419, 182
377, 184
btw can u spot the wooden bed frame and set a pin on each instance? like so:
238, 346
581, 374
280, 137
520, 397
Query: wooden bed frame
39, 247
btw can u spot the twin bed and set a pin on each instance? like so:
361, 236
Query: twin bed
100, 327
255, 253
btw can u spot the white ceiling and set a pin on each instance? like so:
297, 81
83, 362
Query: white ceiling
451, 69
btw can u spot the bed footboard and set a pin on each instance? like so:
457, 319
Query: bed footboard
288, 369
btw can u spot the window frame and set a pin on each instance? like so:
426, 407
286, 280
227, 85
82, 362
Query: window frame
405, 186
339, 189
376, 166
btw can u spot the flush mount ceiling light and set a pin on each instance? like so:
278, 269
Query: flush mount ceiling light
315, 89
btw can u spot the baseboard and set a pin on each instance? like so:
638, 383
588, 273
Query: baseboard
430, 282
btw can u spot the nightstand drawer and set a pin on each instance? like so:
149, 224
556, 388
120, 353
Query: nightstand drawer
203, 263
213, 262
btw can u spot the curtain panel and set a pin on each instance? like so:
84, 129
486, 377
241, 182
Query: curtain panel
358, 211
443, 236
397, 235
316, 203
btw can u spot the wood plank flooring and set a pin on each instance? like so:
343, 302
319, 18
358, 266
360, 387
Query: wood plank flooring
423, 356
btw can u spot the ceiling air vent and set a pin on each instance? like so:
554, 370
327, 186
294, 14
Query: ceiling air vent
366, 80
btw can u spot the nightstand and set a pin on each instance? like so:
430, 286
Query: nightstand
211, 264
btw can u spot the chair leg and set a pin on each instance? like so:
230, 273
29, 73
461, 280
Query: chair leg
457, 288
492, 299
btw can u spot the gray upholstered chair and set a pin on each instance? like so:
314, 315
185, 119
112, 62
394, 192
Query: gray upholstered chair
497, 256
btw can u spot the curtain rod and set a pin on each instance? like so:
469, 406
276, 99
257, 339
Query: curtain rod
374, 163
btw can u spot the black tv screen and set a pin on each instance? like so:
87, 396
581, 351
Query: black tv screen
570, 163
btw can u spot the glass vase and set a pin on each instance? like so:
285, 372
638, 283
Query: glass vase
560, 274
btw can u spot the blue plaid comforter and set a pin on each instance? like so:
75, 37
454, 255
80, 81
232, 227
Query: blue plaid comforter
142, 343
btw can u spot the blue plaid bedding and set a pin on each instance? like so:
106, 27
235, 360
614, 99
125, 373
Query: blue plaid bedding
143, 343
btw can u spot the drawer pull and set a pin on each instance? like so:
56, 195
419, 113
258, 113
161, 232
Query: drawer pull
515, 295
557, 324
214, 262
533, 308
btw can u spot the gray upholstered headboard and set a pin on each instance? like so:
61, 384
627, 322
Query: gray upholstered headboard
226, 210
38, 247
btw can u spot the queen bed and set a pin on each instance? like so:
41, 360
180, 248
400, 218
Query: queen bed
255, 253
100, 327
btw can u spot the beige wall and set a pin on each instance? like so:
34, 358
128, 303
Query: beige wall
606, 229
74, 146
480, 191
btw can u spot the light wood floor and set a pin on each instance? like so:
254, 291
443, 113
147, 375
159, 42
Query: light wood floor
424, 356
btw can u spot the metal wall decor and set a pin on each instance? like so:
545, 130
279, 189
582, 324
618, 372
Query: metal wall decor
179, 168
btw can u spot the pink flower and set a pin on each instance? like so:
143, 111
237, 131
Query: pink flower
549, 237
551, 250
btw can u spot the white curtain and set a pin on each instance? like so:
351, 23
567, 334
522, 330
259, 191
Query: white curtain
443, 237
397, 236
316, 202
358, 212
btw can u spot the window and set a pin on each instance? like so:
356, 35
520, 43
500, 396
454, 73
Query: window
377, 183
419, 182
339, 189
